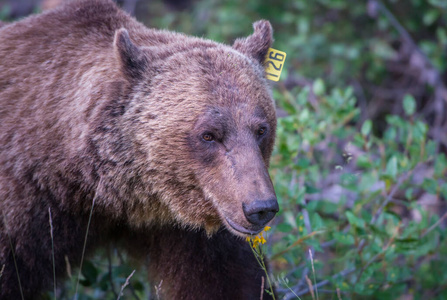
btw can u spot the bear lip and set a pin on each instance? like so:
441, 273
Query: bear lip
242, 229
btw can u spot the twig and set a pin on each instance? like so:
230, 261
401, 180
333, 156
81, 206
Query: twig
401, 30
435, 80
434, 225
125, 284
132, 290
390, 196
373, 259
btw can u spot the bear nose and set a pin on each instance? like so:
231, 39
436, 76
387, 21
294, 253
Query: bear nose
260, 212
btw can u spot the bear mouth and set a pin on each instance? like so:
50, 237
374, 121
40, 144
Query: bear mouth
242, 229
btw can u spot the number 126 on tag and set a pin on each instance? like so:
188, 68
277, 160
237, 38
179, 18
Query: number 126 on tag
274, 62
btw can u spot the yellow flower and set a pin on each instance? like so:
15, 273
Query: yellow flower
258, 239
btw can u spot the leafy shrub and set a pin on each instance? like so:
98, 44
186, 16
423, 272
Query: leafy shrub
357, 200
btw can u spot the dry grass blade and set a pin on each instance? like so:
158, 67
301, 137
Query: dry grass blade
262, 288
52, 250
338, 294
83, 249
13, 256
313, 271
158, 289
311, 288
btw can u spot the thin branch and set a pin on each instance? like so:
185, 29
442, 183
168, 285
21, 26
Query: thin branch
444, 216
402, 31
390, 196
122, 262
125, 284
385, 203
373, 259
426, 67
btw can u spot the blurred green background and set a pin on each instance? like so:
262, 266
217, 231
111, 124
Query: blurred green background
359, 165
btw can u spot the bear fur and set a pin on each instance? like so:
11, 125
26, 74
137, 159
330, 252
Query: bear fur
164, 139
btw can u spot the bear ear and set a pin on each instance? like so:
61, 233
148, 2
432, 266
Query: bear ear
132, 60
257, 44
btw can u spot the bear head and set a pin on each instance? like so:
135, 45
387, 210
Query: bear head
203, 121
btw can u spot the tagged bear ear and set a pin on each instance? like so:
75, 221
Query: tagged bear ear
257, 44
132, 60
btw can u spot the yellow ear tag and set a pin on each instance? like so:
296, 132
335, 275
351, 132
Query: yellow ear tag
274, 61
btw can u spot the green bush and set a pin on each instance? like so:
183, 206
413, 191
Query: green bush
354, 199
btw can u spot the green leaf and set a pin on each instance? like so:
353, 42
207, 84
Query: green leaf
440, 165
318, 87
363, 162
316, 221
444, 190
310, 189
90, 273
284, 227
391, 167
355, 221
409, 104
342, 238
409, 193
366, 127
430, 185
442, 36
431, 16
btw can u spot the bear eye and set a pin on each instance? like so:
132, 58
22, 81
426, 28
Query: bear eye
261, 131
208, 137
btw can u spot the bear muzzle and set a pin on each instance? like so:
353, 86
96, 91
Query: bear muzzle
258, 214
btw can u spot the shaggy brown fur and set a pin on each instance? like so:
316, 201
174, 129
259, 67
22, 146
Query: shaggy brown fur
167, 136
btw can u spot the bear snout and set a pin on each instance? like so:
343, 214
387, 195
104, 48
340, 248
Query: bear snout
260, 212
257, 213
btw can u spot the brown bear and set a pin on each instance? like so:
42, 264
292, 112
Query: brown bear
163, 138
